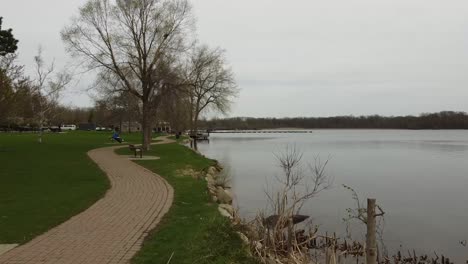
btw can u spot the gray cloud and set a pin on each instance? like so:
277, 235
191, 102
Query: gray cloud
309, 57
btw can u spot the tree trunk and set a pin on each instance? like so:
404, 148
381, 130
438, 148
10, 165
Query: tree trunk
120, 122
146, 126
371, 244
195, 131
192, 124
41, 122
191, 115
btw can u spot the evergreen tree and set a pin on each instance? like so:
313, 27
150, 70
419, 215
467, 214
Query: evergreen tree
8, 44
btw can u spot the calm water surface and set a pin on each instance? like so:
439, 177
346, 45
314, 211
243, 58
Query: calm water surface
419, 177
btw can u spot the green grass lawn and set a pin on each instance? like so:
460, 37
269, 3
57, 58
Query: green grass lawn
192, 231
43, 185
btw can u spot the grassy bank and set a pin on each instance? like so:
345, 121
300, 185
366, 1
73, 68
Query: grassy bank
192, 231
43, 185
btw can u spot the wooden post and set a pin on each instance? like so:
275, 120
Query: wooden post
371, 244
290, 236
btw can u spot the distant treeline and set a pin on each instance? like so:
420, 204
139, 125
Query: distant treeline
441, 120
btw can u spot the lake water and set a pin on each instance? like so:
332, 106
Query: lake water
420, 178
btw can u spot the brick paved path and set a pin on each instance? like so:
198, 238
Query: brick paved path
110, 231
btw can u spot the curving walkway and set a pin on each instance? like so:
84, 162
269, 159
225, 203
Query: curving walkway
110, 231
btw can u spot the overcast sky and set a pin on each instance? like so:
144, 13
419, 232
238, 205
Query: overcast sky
305, 57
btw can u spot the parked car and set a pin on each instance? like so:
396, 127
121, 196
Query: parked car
87, 127
55, 129
68, 127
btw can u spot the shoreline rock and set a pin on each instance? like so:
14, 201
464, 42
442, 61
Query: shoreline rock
228, 208
223, 196
225, 213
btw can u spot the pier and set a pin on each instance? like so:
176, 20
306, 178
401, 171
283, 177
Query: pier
260, 131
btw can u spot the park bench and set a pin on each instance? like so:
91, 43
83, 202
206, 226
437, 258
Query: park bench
136, 149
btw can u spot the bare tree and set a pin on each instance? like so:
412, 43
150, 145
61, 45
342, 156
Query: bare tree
46, 88
275, 236
297, 187
211, 84
130, 41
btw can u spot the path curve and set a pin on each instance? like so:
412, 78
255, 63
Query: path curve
113, 229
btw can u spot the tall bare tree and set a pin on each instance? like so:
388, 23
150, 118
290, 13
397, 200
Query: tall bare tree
210, 83
131, 40
46, 88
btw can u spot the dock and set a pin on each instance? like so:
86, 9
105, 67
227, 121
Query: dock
261, 131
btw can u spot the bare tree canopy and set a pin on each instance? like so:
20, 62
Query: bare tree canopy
131, 40
211, 83
47, 87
